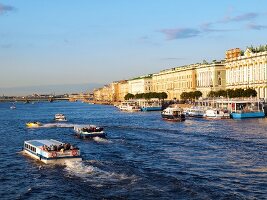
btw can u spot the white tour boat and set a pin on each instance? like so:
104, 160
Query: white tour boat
90, 131
51, 151
130, 106
60, 117
217, 114
195, 112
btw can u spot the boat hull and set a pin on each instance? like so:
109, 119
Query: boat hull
56, 161
178, 118
247, 115
151, 109
91, 135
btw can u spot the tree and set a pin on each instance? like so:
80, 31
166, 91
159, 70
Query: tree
162, 95
129, 96
250, 92
184, 95
197, 94
212, 94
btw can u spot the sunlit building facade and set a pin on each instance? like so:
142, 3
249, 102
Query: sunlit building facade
175, 81
247, 71
210, 77
139, 85
104, 94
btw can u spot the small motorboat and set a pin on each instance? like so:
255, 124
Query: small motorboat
60, 117
90, 131
173, 114
33, 124
51, 151
13, 107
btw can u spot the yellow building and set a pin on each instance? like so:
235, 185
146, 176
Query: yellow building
248, 70
175, 81
104, 94
210, 77
118, 90
123, 89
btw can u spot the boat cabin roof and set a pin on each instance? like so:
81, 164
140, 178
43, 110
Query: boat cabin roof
40, 143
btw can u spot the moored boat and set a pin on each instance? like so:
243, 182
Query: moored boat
194, 112
244, 114
60, 117
33, 124
51, 151
87, 132
129, 106
173, 114
247, 109
149, 105
217, 114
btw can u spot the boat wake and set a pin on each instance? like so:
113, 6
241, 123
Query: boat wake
101, 140
58, 125
79, 169
95, 175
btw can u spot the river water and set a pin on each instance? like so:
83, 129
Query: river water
143, 156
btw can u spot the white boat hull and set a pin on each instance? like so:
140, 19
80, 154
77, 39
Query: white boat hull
56, 161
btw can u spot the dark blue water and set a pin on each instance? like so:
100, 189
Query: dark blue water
144, 157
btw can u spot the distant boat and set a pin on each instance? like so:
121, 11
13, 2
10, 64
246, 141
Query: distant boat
130, 106
33, 124
87, 132
149, 105
60, 117
12, 107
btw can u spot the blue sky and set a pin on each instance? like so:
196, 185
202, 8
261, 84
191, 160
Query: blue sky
58, 42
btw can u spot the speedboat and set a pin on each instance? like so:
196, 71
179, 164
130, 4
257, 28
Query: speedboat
173, 114
90, 131
60, 117
33, 124
51, 151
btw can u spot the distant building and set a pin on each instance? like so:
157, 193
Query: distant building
141, 84
210, 77
104, 93
247, 71
175, 81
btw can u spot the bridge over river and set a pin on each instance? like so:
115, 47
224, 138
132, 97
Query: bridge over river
32, 99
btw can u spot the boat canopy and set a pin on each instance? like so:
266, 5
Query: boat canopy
40, 143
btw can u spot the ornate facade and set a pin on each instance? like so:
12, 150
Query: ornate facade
210, 77
175, 81
140, 85
247, 71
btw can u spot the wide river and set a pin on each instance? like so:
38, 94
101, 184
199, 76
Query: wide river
143, 156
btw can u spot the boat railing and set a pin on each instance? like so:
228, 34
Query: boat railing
60, 151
